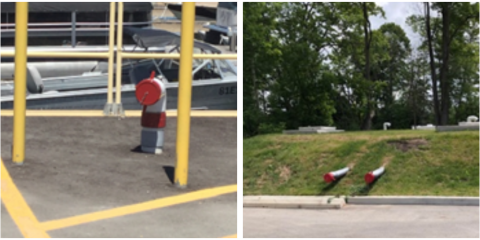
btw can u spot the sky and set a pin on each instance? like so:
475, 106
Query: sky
398, 12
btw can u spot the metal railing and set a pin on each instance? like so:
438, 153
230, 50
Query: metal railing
185, 84
41, 54
51, 24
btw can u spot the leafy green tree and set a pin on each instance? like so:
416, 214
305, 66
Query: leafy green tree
261, 55
454, 22
301, 88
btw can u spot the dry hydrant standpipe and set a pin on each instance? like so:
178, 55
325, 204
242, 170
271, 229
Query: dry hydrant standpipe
152, 94
371, 176
333, 176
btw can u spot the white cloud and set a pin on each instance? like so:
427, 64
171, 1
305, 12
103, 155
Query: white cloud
398, 12
381, 3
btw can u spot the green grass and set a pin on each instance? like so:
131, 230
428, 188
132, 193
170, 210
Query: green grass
448, 164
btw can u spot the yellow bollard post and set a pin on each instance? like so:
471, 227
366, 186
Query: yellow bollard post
111, 46
118, 92
20, 91
184, 93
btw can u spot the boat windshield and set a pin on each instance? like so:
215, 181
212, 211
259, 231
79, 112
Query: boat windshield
202, 69
228, 5
226, 69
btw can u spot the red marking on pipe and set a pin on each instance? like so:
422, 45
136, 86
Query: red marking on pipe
369, 177
152, 75
154, 119
328, 177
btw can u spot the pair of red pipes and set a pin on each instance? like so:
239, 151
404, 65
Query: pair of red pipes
369, 177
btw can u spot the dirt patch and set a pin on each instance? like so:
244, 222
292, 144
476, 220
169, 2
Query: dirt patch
297, 138
268, 162
386, 160
284, 173
261, 180
351, 165
276, 146
406, 145
324, 156
363, 149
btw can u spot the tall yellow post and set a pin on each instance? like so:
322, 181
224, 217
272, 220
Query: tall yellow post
118, 91
184, 93
111, 46
20, 91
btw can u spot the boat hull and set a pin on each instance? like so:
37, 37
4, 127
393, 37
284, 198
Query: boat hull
221, 96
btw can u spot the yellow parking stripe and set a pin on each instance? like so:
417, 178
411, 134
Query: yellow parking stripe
18, 209
231, 236
136, 208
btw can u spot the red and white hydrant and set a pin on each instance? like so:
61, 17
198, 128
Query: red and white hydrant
152, 94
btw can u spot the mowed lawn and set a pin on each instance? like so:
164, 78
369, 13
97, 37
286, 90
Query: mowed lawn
416, 163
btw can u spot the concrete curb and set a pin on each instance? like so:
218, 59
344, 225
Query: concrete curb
307, 202
332, 202
413, 200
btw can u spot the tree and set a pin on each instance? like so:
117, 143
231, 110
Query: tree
416, 96
456, 18
349, 59
261, 54
432, 65
300, 89
391, 68
463, 72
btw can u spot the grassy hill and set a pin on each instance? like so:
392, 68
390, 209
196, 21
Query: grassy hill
416, 163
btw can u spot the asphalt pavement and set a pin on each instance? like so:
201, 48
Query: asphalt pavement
84, 177
362, 221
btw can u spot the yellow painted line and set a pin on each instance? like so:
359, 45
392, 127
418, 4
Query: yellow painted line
231, 236
18, 209
193, 113
136, 208
56, 113
129, 113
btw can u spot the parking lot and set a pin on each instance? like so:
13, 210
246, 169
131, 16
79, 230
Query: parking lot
363, 221
83, 176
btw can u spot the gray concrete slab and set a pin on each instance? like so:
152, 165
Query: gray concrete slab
359, 221
309, 202
453, 128
9, 229
414, 200
79, 165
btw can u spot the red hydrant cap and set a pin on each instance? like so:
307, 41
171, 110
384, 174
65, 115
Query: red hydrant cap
369, 178
328, 177
148, 91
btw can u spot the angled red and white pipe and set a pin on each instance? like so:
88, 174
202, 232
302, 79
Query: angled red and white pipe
335, 175
152, 94
371, 176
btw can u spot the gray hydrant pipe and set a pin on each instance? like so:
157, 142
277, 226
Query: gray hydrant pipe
333, 176
371, 176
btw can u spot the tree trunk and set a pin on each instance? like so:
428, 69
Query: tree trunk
432, 66
264, 102
255, 92
444, 84
370, 113
413, 90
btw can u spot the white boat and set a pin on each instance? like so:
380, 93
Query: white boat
51, 67
214, 83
